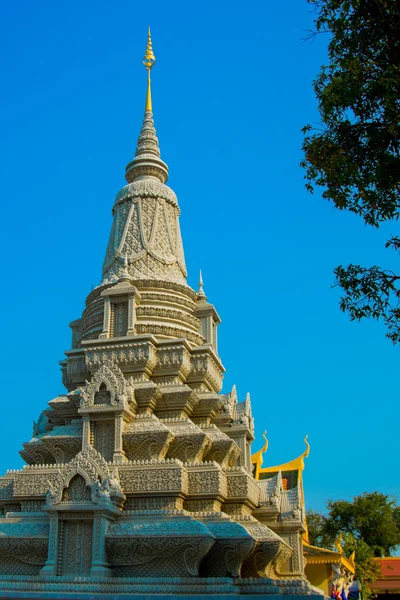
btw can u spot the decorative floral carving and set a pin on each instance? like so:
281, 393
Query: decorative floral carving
169, 314
153, 480
33, 484
133, 354
6, 488
207, 482
242, 485
106, 387
169, 331
205, 368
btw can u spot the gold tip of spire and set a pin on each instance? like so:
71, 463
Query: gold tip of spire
149, 61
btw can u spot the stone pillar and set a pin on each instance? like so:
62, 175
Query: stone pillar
216, 337
50, 566
131, 315
297, 556
119, 454
209, 330
86, 432
100, 565
248, 456
107, 318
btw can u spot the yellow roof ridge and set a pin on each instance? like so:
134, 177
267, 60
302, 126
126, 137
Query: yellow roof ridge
297, 464
339, 556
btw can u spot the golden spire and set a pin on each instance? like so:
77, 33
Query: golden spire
149, 61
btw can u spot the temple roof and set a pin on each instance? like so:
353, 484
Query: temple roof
296, 465
317, 555
390, 578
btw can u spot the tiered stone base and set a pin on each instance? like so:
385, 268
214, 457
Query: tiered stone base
141, 588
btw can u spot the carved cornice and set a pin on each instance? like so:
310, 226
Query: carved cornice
132, 356
146, 188
168, 314
169, 331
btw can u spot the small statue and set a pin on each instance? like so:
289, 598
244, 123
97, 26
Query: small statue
114, 484
51, 494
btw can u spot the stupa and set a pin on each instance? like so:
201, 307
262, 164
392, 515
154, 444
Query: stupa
139, 478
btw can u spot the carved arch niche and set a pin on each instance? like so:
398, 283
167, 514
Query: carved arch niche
108, 387
77, 491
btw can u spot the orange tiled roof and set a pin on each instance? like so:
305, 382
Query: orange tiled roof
390, 578
390, 566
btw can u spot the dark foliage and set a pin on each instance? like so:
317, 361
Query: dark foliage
355, 156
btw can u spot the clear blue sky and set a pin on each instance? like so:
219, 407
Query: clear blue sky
231, 91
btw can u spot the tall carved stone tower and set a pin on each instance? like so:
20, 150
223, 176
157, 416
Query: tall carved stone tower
139, 478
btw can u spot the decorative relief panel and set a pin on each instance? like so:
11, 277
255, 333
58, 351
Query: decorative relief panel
160, 479
242, 485
205, 368
34, 484
169, 331
168, 314
76, 368
22, 557
137, 356
77, 548
207, 482
6, 488
104, 438
174, 359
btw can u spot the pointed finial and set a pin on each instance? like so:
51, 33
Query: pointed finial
125, 270
147, 161
149, 61
200, 293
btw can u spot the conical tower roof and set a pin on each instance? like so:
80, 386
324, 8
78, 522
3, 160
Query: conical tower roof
146, 213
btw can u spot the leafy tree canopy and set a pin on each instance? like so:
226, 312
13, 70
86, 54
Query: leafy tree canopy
355, 156
369, 525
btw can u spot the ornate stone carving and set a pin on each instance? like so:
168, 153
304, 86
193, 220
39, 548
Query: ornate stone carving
206, 481
146, 188
269, 553
169, 331
151, 238
223, 450
146, 439
22, 557
168, 314
6, 488
136, 356
173, 359
92, 468
107, 386
169, 298
137, 544
161, 478
76, 368
205, 368
232, 547
242, 485
34, 484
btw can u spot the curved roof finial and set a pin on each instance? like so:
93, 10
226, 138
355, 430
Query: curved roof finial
307, 451
149, 60
265, 447
257, 457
